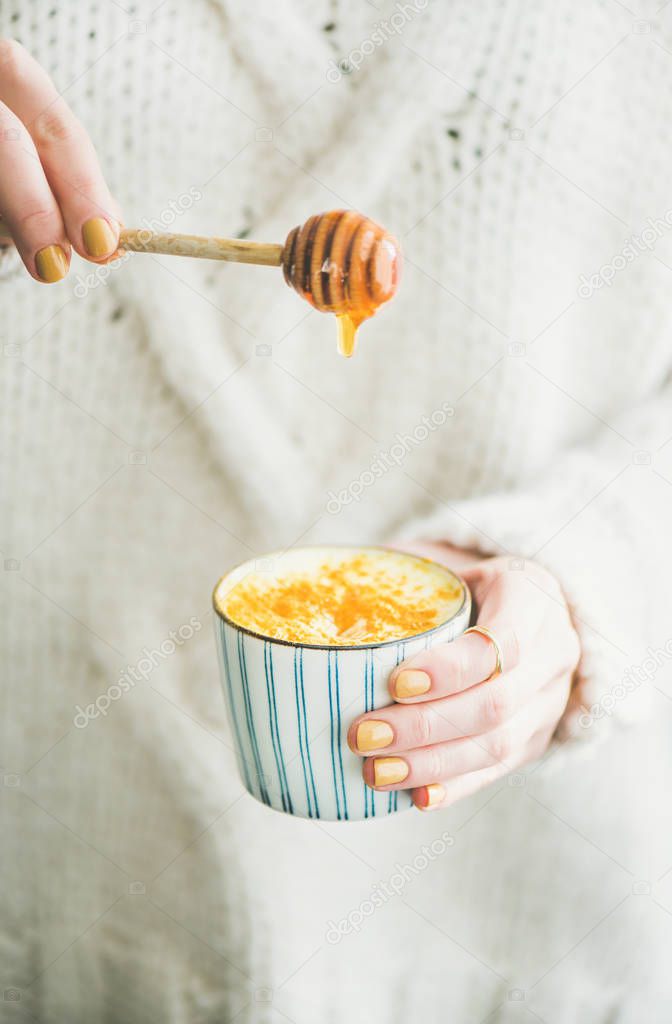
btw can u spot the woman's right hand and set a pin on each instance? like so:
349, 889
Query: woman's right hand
52, 192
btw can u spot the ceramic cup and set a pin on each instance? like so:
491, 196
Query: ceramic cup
290, 704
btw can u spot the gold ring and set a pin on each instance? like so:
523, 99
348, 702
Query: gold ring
484, 631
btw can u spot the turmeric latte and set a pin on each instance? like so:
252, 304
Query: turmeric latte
340, 596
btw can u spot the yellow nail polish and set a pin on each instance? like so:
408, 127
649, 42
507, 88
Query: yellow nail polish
373, 735
435, 796
98, 237
411, 683
387, 771
51, 264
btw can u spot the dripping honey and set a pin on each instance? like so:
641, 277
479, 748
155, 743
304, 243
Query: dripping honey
343, 263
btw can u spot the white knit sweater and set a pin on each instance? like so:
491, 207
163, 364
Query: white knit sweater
165, 419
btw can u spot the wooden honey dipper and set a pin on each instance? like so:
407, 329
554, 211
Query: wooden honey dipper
341, 262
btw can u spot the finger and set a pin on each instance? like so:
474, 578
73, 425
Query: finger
510, 609
474, 713
477, 710
27, 204
406, 768
472, 657
67, 154
452, 667
433, 764
443, 794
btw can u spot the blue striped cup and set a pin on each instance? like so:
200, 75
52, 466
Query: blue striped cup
290, 704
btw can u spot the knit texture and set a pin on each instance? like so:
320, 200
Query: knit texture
165, 419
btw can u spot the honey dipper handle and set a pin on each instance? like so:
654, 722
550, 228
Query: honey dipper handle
235, 250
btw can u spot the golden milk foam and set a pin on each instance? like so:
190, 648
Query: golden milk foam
340, 596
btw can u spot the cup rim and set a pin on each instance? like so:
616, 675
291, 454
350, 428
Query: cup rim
465, 606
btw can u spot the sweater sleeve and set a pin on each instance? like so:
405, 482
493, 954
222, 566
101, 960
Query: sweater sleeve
597, 520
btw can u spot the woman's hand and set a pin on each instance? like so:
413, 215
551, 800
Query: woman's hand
52, 191
452, 728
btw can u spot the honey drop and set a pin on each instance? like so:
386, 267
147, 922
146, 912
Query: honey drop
347, 335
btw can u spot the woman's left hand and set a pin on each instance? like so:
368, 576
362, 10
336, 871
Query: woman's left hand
453, 729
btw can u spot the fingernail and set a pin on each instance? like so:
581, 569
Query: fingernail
373, 735
51, 264
411, 683
435, 794
389, 770
98, 237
